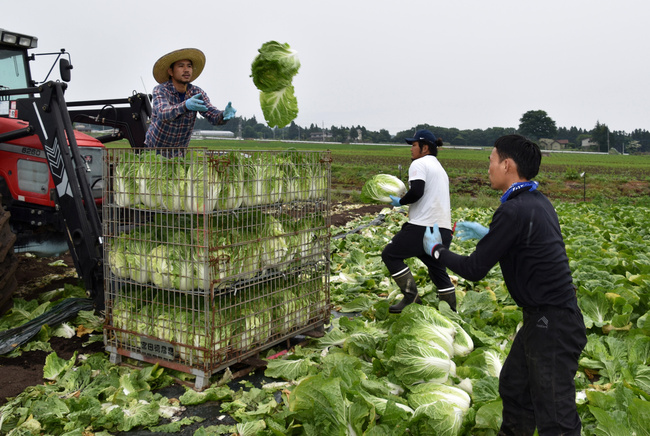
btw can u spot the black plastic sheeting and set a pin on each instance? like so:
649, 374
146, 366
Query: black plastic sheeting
376, 222
65, 310
210, 411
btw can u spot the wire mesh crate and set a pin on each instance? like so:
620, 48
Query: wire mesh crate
213, 256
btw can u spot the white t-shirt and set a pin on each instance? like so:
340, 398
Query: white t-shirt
434, 205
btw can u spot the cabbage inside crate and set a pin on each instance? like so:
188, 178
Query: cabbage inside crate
215, 256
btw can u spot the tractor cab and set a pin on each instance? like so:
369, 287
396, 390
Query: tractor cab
25, 180
14, 66
14, 63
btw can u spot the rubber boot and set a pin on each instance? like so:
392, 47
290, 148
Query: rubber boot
449, 297
406, 283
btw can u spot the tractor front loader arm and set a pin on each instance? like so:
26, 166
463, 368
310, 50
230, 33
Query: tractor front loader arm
129, 116
48, 115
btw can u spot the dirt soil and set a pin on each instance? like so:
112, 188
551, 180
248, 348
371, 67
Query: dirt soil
36, 275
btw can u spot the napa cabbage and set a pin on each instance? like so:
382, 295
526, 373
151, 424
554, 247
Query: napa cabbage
263, 180
253, 326
274, 67
321, 405
420, 316
125, 186
138, 248
463, 343
172, 184
117, 260
202, 185
148, 178
231, 181
440, 418
493, 362
484, 362
272, 71
295, 175
415, 361
427, 393
380, 187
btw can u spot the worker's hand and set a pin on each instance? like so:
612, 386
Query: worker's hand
229, 112
195, 103
470, 230
394, 201
431, 239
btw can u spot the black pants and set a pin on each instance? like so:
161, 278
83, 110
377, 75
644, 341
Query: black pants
407, 243
537, 379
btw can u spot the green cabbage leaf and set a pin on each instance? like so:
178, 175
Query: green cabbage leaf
279, 107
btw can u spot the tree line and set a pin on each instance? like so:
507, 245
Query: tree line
534, 124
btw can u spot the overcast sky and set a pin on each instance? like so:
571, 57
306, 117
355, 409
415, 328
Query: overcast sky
376, 63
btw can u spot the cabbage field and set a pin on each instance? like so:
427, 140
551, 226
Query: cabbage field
426, 371
609, 251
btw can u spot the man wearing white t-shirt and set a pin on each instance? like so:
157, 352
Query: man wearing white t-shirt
428, 200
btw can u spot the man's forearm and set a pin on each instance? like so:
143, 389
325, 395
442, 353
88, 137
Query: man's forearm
414, 193
469, 267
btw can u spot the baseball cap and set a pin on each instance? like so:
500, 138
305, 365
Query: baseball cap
423, 136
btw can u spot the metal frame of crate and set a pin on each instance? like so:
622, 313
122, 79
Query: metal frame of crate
214, 256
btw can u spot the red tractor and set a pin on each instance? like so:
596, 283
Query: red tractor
51, 173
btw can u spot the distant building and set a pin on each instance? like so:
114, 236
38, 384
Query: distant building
550, 144
207, 134
320, 136
587, 143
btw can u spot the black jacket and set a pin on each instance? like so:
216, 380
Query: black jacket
526, 240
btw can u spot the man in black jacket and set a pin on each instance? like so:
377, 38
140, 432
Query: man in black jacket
536, 383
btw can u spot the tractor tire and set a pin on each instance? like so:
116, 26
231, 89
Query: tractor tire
8, 261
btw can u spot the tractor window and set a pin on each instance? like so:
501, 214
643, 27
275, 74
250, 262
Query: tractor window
13, 74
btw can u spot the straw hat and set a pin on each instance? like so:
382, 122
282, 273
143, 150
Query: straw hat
164, 63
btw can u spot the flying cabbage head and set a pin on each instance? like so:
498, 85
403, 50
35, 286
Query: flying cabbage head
274, 67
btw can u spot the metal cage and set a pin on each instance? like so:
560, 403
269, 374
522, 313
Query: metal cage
213, 256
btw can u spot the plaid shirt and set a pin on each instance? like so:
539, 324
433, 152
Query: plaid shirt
171, 122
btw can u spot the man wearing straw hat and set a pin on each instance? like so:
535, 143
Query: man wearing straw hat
176, 102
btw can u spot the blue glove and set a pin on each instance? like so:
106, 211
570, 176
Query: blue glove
431, 239
395, 201
195, 103
469, 230
229, 112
